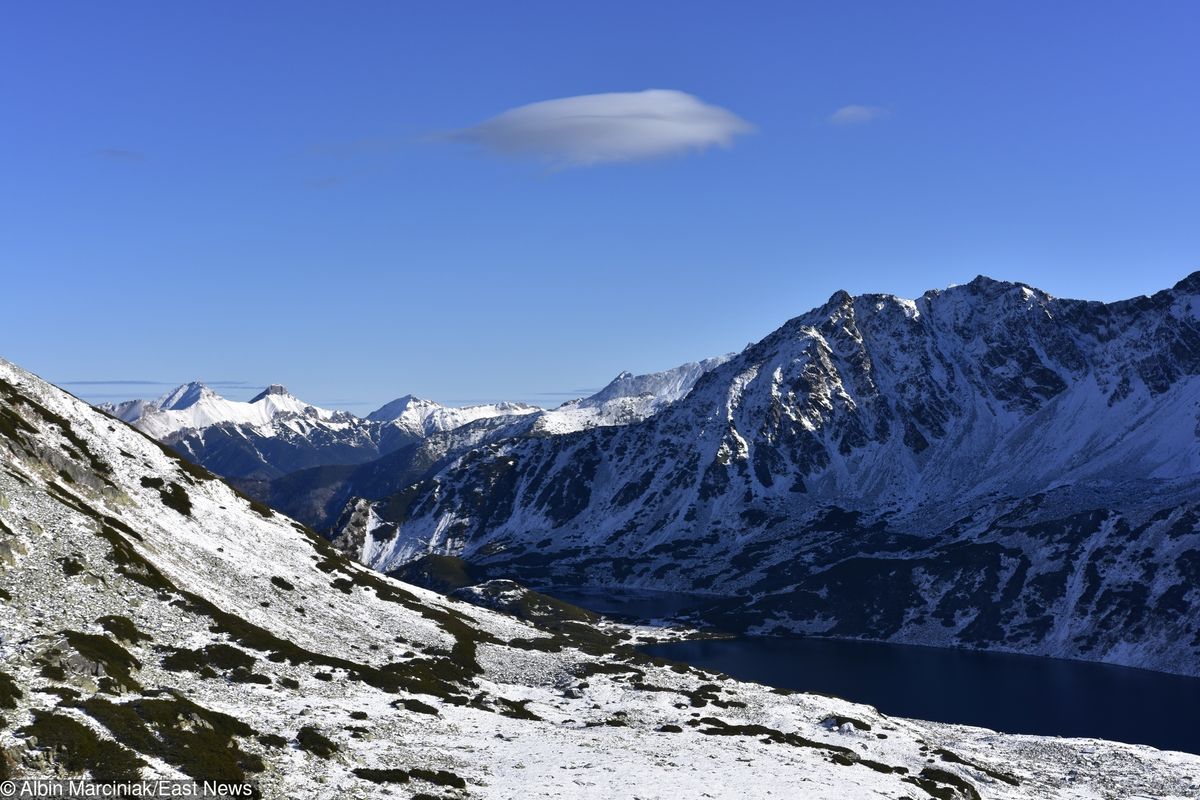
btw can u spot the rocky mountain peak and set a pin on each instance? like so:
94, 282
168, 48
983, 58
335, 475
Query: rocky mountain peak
989, 416
274, 390
184, 396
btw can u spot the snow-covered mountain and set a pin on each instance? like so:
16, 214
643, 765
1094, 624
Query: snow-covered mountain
155, 624
985, 466
194, 406
276, 433
628, 398
310, 461
320, 495
425, 417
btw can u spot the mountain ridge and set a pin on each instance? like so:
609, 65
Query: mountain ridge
987, 445
310, 463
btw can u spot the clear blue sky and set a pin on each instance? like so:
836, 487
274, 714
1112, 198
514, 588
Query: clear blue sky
265, 192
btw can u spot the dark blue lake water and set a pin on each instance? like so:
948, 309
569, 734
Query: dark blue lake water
1009, 693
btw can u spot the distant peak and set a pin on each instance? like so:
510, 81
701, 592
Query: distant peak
984, 283
273, 389
392, 410
184, 396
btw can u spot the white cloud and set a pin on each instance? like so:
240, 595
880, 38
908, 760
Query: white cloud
597, 128
856, 115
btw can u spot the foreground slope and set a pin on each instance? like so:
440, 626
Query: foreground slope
155, 623
985, 466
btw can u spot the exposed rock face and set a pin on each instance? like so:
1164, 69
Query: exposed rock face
985, 466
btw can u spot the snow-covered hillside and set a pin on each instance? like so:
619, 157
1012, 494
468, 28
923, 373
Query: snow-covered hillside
194, 406
628, 398
425, 417
153, 623
985, 466
275, 433
311, 461
321, 496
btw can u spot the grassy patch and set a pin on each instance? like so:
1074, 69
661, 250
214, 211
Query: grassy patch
415, 705
198, 741
10, 693
719, 727
438, 777
517, 709
542, 644
117, 662
176, 497
262, 509
589, 668
122, 628
211, 658
954, 758
943, 785
78, 749
313, 741
382, 775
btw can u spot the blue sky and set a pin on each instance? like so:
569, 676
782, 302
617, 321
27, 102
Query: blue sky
248, 193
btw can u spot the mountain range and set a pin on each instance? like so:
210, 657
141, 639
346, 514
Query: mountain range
310, 461
985, 466
156, 624
275, 433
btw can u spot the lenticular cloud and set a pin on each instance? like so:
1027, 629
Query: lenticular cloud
597, 128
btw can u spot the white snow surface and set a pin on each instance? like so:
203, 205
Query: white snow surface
75, 485
425, 417
194, 406
627, 398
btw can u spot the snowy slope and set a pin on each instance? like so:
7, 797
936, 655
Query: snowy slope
155, 624
985, 466
628, 398
312, 464
425, 417
275, 433
319, 495
194, 406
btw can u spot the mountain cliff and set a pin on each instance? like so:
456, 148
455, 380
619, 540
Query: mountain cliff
985, 466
